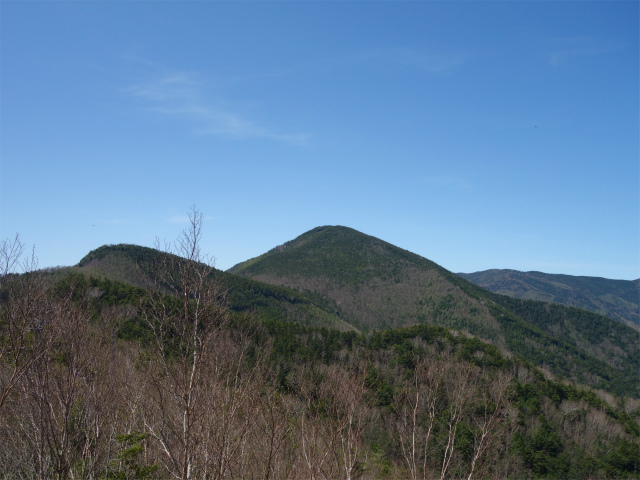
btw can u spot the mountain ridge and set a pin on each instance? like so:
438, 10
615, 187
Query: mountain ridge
617, 299
129, 263
376, 285
337, 277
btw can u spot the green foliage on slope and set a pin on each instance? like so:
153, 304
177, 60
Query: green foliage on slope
375, 285
567, 359
617, 299
132, 264
341, 254
591, 332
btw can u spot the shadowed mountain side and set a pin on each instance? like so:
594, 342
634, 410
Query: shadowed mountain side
375, 285
128, 263
617, 299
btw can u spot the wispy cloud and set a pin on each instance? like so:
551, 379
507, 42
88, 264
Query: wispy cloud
566, 49
186, 95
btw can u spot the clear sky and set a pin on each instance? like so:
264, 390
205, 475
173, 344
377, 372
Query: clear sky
477, 134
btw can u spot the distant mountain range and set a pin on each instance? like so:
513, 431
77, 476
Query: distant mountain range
617, 299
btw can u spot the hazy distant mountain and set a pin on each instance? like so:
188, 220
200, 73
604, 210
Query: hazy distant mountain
617, 299
372, 284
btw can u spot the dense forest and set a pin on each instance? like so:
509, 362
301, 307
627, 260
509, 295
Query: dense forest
104, 379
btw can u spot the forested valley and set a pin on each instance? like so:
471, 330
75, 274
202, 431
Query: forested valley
102, 379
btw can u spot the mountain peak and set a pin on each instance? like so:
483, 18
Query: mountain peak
372, 284
376, 283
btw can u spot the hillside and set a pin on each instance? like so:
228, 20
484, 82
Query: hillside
617, 299
130, 264
375, 285
97, 378
273, 399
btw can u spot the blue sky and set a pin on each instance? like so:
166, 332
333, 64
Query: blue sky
476, 134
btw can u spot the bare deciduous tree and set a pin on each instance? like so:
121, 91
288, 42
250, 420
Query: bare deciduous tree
229, 417
338, 410
416, 411
275, 441
183, 333
64, 402
460, 388
25, 311
491, 424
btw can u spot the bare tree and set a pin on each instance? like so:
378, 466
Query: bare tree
10, 253
25, 311
339, 409
63, 402
232, 390
183, 330
275, 439
52, 389
461, 379
416, 412
489, 426
317, 440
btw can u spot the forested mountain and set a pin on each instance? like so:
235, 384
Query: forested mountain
376, 285
133, 265
162, 377
617, 299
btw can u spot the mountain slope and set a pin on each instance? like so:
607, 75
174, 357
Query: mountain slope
128, 263
373, 284
282, 392
617, 299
